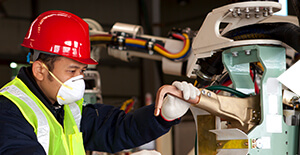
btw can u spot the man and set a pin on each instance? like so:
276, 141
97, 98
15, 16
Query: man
41, 109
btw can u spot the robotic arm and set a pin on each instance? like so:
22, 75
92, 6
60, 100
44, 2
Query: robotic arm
126, 41
258, 118
184, 52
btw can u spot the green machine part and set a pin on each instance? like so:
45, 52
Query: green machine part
272, 136
90, 98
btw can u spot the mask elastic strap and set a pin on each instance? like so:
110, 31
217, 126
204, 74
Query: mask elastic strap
56, 77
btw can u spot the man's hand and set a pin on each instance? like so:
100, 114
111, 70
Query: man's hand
172, 107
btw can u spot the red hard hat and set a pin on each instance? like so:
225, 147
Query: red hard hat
62, 33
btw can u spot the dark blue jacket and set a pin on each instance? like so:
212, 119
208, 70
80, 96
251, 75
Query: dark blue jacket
105, 128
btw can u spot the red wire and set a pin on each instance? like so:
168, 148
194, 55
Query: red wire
255, 83
129, 107
227, 83
161, 47
256, 88
178, 36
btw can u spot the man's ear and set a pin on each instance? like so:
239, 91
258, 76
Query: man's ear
39, 71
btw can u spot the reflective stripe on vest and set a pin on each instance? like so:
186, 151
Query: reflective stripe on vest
76, 113
43, 130
44, 123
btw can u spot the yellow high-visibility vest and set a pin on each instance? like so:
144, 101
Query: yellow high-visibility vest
54, 138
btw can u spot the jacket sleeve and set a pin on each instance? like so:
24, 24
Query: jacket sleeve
108, 129
16, 134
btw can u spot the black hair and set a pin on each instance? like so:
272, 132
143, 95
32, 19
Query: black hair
48, 60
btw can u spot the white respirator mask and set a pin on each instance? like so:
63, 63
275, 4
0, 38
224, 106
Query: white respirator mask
70, 91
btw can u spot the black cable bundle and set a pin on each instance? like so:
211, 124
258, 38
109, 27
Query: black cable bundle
285, 32
236, 1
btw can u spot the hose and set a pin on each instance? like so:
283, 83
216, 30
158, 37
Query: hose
161, 50
143, 42
285, 32
236, 1
228, 89
101, 37
139, 43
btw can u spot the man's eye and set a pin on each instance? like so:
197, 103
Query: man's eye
72, 71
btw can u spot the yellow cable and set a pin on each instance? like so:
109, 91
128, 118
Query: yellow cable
135, 41
100, 38
195, 83
177, 55
123, 107
260, 66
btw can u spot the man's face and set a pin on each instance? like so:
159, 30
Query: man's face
64, 69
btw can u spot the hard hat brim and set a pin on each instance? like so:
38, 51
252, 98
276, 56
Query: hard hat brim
87, 61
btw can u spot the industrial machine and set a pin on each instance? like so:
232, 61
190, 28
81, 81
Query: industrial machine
242, 59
